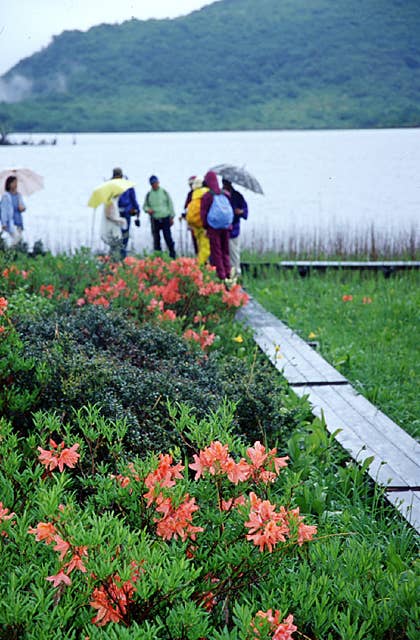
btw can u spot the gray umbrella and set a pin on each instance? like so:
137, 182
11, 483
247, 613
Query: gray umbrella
238, 175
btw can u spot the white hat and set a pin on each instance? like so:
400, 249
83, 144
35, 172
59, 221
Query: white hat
198, 183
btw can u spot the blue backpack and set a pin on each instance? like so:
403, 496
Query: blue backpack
220, 215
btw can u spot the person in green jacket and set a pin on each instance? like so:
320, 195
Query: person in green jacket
158, 204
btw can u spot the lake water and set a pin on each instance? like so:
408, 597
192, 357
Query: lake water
316, 183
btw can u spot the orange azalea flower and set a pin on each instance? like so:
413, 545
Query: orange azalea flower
235, 297
204, 338
237, 471
3, 306
113, 599
305, 532
4, 513
44, 531
367, 300
177, 521
266, 526
155, 304
76, 561
211, 287
257, 454
47, 290
282, 630
168, 314
69, 457
347, 298
212, 458
101, 302
61, 458
227, 505
61, 546
59, 578
261, 459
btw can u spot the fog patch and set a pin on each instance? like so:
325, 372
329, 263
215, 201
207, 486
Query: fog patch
60, 83
16, 89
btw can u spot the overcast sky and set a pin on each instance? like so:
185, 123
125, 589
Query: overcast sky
27, 26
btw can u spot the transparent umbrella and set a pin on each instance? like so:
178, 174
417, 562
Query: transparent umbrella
238, 175
28, 180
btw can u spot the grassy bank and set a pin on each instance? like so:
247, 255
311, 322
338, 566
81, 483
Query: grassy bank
365, 325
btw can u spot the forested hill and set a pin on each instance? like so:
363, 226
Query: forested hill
235, 64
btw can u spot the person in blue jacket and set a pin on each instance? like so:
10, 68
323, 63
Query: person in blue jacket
128, 207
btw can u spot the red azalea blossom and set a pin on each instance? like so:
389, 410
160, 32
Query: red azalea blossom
347, 298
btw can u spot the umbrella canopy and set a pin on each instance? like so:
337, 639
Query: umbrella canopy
108, 190
28, 180
238, 175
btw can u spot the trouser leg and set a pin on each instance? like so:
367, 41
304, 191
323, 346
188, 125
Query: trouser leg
235, 256
125, 232
203, 245
217, 253
224, 242
166, 228
156, 234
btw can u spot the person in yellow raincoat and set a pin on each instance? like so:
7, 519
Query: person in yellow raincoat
194, 220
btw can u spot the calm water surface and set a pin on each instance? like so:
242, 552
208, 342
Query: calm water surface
318, 182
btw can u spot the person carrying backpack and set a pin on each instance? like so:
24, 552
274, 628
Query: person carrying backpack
193, 218
217, 217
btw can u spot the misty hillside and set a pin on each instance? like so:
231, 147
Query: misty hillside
236, 64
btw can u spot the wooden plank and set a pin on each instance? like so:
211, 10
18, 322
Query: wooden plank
343, 264
382, 424
286, 350
408, 503
304, 266
380, 470
386, 450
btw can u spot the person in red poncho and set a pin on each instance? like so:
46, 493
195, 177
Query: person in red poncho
219, 238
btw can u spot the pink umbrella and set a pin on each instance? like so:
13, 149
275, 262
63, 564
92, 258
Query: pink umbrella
28, 180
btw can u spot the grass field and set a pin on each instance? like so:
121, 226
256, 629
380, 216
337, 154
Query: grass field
365, 325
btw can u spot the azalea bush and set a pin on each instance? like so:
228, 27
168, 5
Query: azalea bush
163, 546
212, 544
67, 348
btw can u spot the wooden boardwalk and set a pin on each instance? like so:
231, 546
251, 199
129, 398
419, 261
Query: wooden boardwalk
363, 430
304, 267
